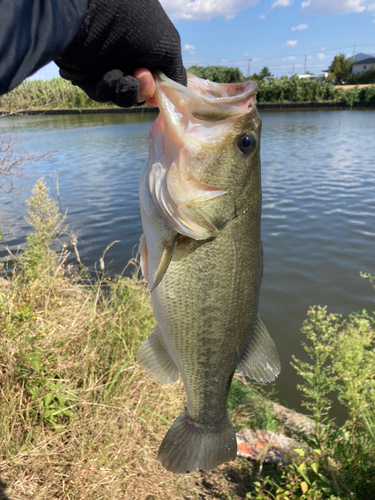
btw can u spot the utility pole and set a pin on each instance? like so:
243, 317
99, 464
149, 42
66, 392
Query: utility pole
293, 70
354, 54
248, 67
305, 60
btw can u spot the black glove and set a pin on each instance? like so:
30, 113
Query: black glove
116, 38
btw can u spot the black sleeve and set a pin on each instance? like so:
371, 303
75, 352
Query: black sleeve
33, 33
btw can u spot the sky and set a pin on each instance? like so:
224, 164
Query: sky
284, 35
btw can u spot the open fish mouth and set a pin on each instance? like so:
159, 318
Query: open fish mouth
193, 121
202, 99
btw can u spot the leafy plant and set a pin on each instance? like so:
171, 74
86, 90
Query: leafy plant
48, 224
301, 479
342, 363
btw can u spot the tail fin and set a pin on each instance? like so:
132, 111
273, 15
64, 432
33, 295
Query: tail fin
188, 448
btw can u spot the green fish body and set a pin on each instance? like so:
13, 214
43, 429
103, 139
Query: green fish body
201, 253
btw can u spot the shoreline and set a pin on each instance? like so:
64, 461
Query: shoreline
260, 106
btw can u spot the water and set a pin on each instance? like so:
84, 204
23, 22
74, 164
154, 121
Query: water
318, 206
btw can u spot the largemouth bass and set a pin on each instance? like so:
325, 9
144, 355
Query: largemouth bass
201, 253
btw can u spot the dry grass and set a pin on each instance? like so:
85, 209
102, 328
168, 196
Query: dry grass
98, 435
349, 87
78, 418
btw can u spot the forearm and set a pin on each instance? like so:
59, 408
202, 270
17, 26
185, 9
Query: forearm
33, 33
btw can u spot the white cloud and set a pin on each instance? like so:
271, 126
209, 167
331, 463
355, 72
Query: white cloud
333, 6
371, 7
282, 3
289, 58
321, 57
189, 48
263, 16
256, 59
300, 27
291, 43
204, 10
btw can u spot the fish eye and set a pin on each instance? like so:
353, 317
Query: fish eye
246, 143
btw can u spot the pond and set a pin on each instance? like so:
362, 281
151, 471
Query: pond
318, 225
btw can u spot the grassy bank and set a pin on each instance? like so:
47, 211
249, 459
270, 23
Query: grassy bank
60, 94
79, 419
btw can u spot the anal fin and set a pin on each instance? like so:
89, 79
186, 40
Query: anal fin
260, 361
152, 356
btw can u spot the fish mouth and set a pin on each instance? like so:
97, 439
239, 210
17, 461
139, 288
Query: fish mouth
204, 100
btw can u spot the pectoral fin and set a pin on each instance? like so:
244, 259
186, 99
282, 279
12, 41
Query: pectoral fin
260, 361
153, 357
142, 250
165, 261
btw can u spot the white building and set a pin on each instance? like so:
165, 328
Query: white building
321, 78
362, 63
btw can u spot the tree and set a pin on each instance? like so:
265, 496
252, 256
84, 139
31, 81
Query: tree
340, 69
262, 75
218, 74
265, 73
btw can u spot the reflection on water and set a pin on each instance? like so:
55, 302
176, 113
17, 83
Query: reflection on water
318, 205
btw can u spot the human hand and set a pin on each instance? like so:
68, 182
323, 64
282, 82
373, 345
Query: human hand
146, 84
118, 45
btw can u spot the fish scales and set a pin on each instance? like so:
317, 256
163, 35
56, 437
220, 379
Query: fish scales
201, 253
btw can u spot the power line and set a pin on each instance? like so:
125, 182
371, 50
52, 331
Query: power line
299, 54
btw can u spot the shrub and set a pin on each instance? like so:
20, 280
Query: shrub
342, 363
47, 222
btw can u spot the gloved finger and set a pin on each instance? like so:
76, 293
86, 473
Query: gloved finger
175, 72
114, 86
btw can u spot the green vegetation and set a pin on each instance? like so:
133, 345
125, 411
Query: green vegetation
262, 75
294, 89
219, 74
61, 94
340, 70
56, 93
340, 462
79, 418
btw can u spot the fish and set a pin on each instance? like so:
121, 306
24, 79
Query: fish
201, 254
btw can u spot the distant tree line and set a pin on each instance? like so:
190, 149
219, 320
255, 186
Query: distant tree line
289, 89
61, 94
219, 74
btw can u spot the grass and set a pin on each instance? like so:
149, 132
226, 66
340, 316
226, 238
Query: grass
78, 418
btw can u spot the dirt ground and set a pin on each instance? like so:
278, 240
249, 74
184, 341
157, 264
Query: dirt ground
348, 87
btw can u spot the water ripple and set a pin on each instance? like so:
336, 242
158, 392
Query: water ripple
318, 205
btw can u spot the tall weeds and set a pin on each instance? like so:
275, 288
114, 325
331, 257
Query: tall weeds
342, 365
78, 418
